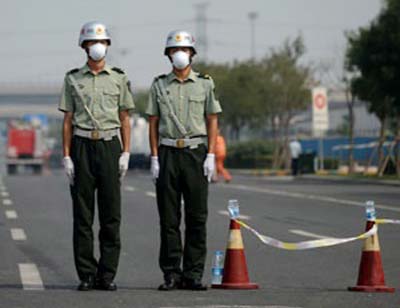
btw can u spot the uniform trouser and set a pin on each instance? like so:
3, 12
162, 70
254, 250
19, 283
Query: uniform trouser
182, 175
96, 168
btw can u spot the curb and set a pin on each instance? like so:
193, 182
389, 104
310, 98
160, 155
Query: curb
325, 176
350, 179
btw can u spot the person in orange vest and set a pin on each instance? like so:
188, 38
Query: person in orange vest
220, 155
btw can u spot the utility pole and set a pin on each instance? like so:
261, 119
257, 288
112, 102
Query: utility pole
201, 29
252, 17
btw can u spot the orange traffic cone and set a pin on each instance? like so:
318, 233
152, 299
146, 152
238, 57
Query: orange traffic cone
235, 268
370, 275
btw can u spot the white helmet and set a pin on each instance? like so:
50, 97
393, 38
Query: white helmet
179, 38
94, 30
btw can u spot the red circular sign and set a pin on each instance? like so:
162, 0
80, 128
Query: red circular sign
320, 101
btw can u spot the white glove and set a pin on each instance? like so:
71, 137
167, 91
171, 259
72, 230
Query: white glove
154, 168
209, 166
69, 169
123, 164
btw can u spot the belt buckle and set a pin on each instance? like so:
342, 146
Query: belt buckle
95, 134
180, 143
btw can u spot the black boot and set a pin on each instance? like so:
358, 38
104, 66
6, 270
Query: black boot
193, 284
170, 283
105, 285
86, 284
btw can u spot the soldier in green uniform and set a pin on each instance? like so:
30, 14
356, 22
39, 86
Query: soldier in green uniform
183, 118
96, 101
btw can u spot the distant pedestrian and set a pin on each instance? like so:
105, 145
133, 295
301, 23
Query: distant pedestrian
220, 155
295, 151
96, 101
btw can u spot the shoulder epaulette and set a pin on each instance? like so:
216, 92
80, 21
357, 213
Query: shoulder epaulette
160, 76
204, 76
118, 70
73, 71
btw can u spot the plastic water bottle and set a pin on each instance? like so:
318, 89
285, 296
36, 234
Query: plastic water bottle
217, 270
233, 208
370, 210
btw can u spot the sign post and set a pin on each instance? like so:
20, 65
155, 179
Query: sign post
320, 119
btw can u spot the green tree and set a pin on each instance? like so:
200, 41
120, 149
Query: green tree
237, 89
374, 52
289, 93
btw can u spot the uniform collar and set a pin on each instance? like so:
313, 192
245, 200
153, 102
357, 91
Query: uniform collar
192, 76
85, 69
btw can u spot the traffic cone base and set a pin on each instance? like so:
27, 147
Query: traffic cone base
235, 268
238, 286
371, 277
372, 289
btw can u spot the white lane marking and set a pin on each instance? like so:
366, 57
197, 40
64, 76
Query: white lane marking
18, 234
7, 202
30, 277
129, 188
4, 194
307, 196
150, 194
242, 217
230, 306
308, 234
11, 214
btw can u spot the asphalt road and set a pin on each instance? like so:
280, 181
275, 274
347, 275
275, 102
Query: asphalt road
41, 207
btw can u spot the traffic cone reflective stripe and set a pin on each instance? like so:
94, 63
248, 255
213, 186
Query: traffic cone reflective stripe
372, 243
371, 277
235, 268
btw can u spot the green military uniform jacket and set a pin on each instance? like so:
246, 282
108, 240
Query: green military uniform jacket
105, 94
192, 100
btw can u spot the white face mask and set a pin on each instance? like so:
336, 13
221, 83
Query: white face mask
97, 51
180, 59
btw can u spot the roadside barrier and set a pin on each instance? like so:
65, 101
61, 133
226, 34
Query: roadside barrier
371, 275
324, 242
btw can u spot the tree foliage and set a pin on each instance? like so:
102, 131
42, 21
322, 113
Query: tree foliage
264, 94
374, 54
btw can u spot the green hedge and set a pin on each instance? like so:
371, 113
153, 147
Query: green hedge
250, 154
331, 164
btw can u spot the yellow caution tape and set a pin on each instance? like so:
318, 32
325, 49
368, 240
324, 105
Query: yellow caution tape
325, 242
387, 221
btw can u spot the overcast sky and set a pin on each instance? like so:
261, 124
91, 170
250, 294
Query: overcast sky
39, 38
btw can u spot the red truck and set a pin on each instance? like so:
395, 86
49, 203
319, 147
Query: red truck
25, 146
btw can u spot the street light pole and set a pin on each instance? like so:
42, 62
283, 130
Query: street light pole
201, 28
252, 17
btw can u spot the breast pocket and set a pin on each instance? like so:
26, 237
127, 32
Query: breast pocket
197, 106
111, 98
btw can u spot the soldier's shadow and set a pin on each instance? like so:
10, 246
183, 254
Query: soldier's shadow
72, 287
10, 286
120, 288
